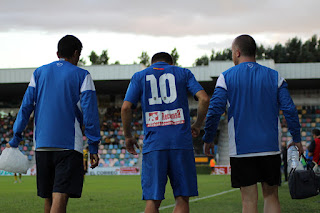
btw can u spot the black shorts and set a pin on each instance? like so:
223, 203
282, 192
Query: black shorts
247, 171
59, 171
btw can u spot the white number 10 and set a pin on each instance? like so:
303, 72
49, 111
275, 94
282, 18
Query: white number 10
155, 99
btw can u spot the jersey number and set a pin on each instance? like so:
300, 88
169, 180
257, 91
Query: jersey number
155, 99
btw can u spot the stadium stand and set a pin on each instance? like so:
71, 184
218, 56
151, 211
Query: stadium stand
112, 81
112, 148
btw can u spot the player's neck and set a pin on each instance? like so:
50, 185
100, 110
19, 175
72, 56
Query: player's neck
246, 59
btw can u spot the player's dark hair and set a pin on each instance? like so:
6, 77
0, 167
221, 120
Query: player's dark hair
68, 45
246, 44
316, 132
162, 56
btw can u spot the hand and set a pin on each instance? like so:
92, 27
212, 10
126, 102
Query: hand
94, 160
300, 148
195, 131
207, 148
8, 145
130, 145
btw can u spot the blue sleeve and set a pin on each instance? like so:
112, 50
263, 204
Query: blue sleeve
133, 91
89, 106
216, 108
23, 116
192, 84
289, 110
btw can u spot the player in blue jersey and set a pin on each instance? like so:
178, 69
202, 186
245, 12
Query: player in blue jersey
254, 94
163, 90
63, 99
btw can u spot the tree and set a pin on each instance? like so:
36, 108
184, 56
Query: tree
94, 58
203, 60
212, 56
279, 53
144, 59
261, 52
117, 62
103, 59
82, 62
293, 50
175, 56
226, 54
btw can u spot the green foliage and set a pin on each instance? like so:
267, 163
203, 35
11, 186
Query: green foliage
293, 51
144, 59
224, 55
123, 194
99, 60
203, 60
175, 56
94, 58
103, 59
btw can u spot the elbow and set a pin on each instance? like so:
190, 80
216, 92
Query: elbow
126, 107
204, 100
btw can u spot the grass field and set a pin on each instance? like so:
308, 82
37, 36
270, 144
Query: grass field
123, 194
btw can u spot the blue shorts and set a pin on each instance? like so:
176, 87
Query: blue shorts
178, 165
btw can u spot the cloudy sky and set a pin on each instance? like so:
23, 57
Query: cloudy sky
30, 30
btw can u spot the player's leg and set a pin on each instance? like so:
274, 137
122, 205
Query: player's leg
270, 181
154, 179
183, 178
20, 176
152, 206
271, 199
59, 202
245, 175
15, 178
45, 177
182, 204
249, 197
68, 180
47, 205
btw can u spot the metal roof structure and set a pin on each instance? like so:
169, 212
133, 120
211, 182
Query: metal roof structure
114, 79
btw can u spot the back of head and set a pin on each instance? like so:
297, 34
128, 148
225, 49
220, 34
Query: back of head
316, 132
162, 56
246, 45
68, 45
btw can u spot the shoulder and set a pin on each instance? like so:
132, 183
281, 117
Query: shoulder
140, 74
267, 69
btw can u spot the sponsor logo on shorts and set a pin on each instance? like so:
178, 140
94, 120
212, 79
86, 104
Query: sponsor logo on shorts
165, 118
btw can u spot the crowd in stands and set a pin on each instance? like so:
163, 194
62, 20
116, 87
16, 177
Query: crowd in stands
6, 133
112, 148
309, 117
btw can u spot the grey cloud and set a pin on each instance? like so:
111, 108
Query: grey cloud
171, 18
216, 45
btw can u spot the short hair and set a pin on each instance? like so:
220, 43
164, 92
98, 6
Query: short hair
68, 45
246, 44
162, 56
316, 132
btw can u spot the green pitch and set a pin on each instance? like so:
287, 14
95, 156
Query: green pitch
123, 194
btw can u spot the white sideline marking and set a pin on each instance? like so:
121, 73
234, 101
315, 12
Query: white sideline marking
201, 198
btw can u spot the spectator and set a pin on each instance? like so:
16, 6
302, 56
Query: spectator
212, 165
314, 147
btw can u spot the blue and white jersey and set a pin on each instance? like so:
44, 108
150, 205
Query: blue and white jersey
162, 90
254, 94
63, 98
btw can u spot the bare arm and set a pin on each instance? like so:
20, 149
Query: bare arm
201, 112
126, 117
